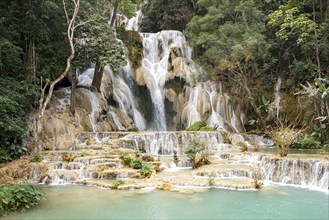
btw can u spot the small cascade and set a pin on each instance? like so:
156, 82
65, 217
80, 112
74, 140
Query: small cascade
124, 96
132, 24
311, 173
207, 102
165, 143
156, 50
95, 110
116, 120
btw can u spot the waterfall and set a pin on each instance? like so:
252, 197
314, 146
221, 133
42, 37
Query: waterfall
207, 99
156, 49
310, 172
122, 94
132, 24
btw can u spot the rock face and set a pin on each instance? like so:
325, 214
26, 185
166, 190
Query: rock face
92, 114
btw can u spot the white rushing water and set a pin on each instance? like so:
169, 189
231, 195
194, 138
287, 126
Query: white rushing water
121, 93
156, 50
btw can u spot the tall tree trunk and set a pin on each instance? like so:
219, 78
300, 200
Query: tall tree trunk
114, 14
98, 75
45, 98
73, 90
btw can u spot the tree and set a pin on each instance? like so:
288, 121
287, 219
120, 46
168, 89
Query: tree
229, 41
102, 48
126, 7
294, 25
14, 101
194, 148
71, 17
167, 15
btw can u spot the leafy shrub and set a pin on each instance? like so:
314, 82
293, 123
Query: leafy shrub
36, 158
146, 170
126, 158
137, 164
197, 147
4, 156
306, 142
196, 126
118, 183
19, 197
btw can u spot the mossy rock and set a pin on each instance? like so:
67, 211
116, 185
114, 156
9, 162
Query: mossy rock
196, 126
207, 128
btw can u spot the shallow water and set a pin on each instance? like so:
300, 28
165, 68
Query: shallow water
271, 202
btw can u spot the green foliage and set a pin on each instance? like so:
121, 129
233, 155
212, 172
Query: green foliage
292, 24
200, 126
19, 197
127, 7
37, 157
100, 45
196, 126
146, 170
4, 156
138, 162
14, 100
32, 31
118, 183
306, 142
194, 148
207, 128
133, 41
126, 158
167, 15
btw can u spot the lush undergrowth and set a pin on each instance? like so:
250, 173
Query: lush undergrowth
19, 197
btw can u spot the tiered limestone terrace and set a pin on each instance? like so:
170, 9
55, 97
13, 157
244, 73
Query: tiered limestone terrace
95, 160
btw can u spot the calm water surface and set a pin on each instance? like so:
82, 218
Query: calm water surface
271, 202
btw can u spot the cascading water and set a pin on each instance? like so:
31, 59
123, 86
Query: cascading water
121, 94
132, 24
207, 102
156, 50
311, 173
